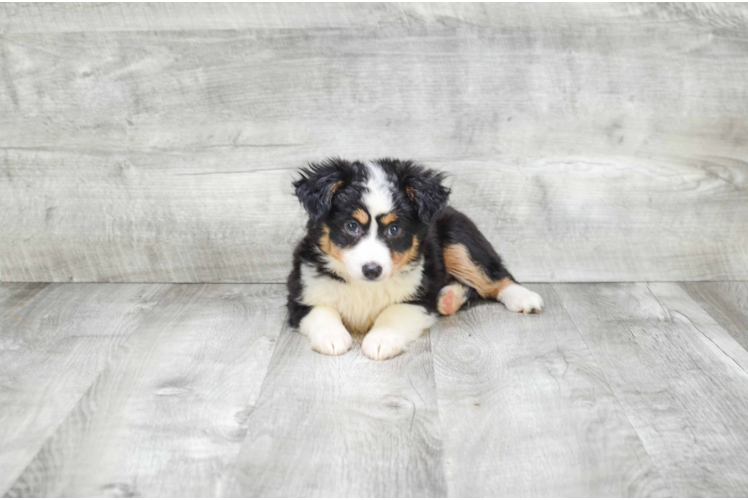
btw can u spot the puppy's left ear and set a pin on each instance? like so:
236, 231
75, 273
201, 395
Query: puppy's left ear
424, 188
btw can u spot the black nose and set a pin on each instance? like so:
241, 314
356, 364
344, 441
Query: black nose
372, 271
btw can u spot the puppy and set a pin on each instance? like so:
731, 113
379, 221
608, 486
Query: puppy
384, 254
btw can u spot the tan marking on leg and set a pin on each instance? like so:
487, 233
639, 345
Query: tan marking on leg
361, 216
461, 266
328, 246
400, 259
389, 218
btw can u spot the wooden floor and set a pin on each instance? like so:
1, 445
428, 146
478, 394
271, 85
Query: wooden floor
617, 389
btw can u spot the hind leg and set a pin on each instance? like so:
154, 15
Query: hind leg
452, 297
470, 258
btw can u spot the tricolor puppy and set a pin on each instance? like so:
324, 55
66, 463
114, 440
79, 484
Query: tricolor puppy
384, 254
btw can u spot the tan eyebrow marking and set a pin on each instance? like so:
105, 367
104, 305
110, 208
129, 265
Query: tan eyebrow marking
361, 216
459, 264
389, 218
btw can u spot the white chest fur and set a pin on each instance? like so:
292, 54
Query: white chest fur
359, 303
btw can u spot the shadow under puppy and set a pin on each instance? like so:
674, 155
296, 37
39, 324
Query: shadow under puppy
384, 254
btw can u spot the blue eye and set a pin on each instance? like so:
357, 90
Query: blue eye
353, 227
393, 230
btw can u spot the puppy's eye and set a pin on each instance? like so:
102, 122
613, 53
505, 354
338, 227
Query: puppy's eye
353, 227
393, 230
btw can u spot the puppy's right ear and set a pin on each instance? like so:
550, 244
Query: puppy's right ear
318, 184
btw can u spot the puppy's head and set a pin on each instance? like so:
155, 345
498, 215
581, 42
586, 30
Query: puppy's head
369, 219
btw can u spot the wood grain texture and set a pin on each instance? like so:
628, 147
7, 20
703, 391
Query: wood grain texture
569, 219
727, 303
601, 219
14, 296
680, 378
451, 93
145, 214
203, 16
678, 303
168, 417
150, 147
54, 341
183, 390
343, 426
526, 411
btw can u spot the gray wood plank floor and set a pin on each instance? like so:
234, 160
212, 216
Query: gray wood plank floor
516, 390
727, 303
54, 341
343, 426
686, 399
174, 403
636, 389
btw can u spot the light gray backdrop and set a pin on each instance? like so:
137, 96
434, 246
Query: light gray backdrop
591, 142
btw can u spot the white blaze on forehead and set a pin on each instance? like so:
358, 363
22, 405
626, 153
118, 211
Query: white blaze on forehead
371, 249
378, 199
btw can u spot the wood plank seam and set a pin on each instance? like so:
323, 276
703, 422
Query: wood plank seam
728, 305
670, 311
110, 362
670, 371
614, 391
231, 472
120, 358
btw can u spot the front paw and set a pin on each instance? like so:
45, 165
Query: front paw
333, 342
382, 344
517, 298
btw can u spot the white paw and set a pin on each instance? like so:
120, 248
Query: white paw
517, 298
382, 344
333, 342
451, 299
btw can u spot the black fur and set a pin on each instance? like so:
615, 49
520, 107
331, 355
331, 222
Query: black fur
332, 190
455, 227
317, 185
423, 186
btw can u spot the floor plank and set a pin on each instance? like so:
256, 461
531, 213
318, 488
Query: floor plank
127, 390
14, 296
526, 411
724, 346
727, 302
54, 341
343, 426
168, 417
686, 397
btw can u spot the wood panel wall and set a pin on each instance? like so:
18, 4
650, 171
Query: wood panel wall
157, 142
